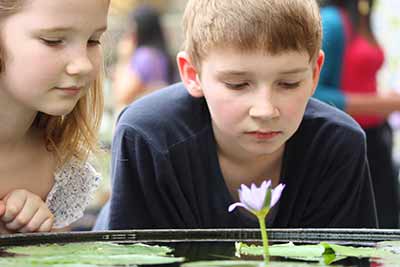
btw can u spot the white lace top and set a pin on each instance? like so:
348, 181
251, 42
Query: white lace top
73, 187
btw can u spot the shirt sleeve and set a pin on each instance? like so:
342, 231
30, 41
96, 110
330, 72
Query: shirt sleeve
74, 186
333, 44
144, 192
344, 196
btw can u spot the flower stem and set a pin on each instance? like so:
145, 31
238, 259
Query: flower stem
261, 220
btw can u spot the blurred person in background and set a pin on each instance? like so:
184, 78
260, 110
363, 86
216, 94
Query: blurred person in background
349, 82
144, 63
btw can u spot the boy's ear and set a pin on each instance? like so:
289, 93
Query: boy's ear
317, 69
189, 74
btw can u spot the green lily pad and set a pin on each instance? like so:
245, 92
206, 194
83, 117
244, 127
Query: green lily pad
393, 246
286, 250
224, 263
63, 265
89, 248
323, 252
358, 252
249, 264
394, 258
88, 254
91, 259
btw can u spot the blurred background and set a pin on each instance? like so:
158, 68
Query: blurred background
118, 47
121, 39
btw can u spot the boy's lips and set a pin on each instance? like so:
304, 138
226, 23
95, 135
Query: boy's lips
264, 135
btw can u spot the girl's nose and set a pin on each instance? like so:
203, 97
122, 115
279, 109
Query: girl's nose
80, 65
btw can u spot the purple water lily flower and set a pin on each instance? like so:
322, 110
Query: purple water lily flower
256, 199
259, 200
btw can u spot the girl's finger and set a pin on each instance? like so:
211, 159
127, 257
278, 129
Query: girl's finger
47, 225
41, 221
13, 205
2, 208
25, 215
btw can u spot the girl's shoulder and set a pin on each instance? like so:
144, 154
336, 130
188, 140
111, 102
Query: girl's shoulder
74, 184
76, 170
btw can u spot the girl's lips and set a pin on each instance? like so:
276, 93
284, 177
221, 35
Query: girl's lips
263, 135
70, 90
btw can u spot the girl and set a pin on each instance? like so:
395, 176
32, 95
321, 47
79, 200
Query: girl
50, 110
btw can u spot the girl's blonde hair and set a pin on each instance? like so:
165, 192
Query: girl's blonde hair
74, 135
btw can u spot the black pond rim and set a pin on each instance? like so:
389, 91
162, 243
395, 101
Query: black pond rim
357, 237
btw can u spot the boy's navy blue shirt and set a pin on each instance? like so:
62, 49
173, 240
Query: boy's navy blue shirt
166, 174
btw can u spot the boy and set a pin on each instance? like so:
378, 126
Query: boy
242, 115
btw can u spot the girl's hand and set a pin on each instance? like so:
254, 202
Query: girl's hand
2, 208
26, 212
3, 229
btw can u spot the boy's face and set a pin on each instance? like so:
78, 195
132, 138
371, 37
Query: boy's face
256, 100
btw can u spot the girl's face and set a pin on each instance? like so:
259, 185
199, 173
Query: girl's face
52, 54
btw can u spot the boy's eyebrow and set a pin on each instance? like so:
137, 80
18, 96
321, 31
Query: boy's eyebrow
231, 73
234, 73
66, 29
294, 71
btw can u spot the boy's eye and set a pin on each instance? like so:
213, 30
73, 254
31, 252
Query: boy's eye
51, 42
289, 85
236, 86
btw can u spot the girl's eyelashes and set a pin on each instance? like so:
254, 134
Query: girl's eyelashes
56, 42
94, 42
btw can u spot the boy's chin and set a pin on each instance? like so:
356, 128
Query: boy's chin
266, 149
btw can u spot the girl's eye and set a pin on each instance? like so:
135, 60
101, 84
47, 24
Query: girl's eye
50, 42
289, 85
236, 86
94, 42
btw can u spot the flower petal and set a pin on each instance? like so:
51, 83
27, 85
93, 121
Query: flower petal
266, 184
276, 194
258, 197
245, 194
253, 198
243, 187
253, 187
237, 204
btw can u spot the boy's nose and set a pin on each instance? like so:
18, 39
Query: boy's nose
264, 109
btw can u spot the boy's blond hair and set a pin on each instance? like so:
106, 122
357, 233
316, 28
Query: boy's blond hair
72, 135
273, 26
